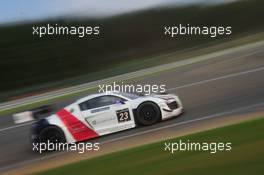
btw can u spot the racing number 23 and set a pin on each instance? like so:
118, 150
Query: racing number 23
123, 115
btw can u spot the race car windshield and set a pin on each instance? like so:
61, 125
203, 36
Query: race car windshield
129, 95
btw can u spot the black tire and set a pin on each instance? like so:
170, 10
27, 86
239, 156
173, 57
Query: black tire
53, 134
148, 113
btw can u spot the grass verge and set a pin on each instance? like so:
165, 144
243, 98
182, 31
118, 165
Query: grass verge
246, 156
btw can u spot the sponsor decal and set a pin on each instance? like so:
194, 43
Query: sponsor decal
78, 129
100, 109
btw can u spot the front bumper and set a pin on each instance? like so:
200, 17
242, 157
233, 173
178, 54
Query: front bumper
171, 108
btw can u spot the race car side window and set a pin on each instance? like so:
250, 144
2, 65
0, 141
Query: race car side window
100, 102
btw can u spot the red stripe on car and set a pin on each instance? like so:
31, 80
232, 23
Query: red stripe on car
78, 129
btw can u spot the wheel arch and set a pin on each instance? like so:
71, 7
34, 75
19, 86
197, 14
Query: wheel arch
42, 124
54, 127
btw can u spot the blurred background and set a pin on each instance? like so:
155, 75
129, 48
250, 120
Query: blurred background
129, 32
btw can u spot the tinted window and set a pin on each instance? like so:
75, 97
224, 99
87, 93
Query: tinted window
99, 102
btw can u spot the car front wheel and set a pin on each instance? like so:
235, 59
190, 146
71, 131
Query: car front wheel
148, 113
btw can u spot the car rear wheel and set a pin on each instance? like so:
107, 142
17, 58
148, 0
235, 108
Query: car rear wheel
52, 134
148, 113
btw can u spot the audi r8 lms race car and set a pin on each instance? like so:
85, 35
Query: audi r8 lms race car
105, 113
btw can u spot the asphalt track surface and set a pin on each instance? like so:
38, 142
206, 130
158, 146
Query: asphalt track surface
227, 84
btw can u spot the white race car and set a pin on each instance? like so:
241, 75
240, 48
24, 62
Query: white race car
100, 114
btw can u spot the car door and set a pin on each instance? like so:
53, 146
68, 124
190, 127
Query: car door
107, 114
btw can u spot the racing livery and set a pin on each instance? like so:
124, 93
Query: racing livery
100, 114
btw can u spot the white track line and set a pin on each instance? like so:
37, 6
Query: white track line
218, 78
16, 126
128, 76
179, 87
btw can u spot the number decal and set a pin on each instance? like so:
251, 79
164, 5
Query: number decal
123, 115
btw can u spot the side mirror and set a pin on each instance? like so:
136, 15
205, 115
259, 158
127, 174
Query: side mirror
120, 102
